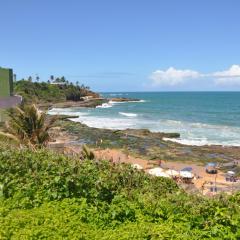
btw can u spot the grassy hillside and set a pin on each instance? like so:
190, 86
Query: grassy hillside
42, 92
49, 196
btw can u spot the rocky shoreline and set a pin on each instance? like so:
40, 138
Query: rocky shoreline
149, 145
142, 142
86, 103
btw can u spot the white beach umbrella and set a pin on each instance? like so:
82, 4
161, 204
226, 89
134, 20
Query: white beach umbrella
137, 166
186, 174
154, 171
231, 173
172, 172
163, 174
158, 172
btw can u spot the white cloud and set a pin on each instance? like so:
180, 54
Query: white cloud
172, 76
229, 77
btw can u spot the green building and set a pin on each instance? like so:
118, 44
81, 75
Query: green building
6, 82
7, 99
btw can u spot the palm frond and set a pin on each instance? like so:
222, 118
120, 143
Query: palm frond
29, 126
9, 136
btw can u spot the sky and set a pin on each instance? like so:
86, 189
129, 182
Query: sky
127, 45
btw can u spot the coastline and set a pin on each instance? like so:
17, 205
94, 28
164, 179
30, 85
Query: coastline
147, 149
157, 144
141, 146
197, 123
148, 145
86, 103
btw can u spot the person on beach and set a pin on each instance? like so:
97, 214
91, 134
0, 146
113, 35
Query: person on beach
159, 163
203, 186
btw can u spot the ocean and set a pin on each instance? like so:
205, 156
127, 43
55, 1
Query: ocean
202, 118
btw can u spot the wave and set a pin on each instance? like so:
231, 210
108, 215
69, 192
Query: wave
192, 133
139, 101
190, 142
106, 123
105, 105
66, 111
202, 142
128, 114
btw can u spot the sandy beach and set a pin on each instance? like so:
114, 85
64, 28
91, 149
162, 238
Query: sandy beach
202, 180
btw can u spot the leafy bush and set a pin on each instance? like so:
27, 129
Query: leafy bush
49, 196
43, 176
42, 92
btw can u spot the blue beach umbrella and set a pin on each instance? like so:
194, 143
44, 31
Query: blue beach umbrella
187, 169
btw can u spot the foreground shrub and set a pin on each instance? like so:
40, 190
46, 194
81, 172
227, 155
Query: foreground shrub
49, 196
33, 178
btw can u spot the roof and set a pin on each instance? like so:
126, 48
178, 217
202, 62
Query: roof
58, 83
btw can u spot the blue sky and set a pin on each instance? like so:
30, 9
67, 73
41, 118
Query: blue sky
152, 45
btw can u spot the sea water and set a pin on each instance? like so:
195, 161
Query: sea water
202, 118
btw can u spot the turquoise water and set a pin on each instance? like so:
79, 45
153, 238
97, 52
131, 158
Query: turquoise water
200, 117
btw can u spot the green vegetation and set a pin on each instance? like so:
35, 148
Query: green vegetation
28, 126
42, 92
50, 196
87, 153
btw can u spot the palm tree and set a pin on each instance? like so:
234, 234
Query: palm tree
37, 78
28, 127
51, 78
87, 153
63, 79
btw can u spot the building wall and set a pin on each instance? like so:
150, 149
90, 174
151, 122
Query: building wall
6, 82
6, 91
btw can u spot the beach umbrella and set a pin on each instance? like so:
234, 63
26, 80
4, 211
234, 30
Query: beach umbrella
154, 171
231, 173
163, 174
211, 164
158, 172
187, 169
137, 166
172, 172
186, 174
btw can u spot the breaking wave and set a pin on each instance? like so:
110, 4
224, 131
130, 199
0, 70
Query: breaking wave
192, 133
105, 105
128, 114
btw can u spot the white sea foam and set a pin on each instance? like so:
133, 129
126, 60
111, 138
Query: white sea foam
200, 134
128, 114
105, 105
130, 101
192, 142
66, 111
197, 134
139, 101
188, 141
104, 122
